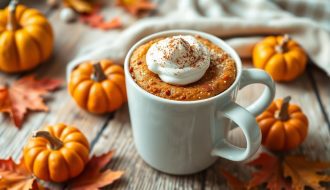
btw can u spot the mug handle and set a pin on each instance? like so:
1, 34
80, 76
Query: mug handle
245, 117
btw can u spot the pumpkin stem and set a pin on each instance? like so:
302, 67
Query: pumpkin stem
98, 74
283, 115
280, 48
12, 22
55, 143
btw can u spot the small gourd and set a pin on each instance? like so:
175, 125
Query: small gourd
98, 87
57, 153
281, 57
283, 125
26, 38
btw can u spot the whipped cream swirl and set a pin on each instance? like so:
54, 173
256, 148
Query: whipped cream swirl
178, 60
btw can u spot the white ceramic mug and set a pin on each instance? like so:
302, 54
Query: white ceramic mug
185, 137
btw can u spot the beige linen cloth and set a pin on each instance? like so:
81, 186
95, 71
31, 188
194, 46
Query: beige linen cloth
241, 23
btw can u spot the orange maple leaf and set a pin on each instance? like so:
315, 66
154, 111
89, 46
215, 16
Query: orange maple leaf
305, 173
135, 6
270, 172
233, 182
23, 95
96, 20
15, 176
95, 175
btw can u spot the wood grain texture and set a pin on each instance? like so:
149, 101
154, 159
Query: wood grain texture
117, 133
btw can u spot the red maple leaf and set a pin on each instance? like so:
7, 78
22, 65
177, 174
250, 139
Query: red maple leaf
270, 172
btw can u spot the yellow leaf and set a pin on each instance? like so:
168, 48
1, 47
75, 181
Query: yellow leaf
305, 173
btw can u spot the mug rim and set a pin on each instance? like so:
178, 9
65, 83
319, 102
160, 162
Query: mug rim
216, 40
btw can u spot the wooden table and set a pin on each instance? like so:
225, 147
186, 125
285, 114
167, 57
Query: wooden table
113, 131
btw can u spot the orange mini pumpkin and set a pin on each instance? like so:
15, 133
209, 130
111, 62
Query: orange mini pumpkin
57, 153
281, 57
26, 38
284, 126
98, 88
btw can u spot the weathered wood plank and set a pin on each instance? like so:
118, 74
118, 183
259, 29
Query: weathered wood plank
322, 82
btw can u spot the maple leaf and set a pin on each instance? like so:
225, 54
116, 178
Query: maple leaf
15, 176
305, 173
233, 182
23, 95
96, 20
135, 6
270, 172
94, 175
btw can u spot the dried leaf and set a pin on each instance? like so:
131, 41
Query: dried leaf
305, 173
81, 6
96, 20
233, 182
135, 6
23, 95
15, 176
94, 176
270, 171
111, 24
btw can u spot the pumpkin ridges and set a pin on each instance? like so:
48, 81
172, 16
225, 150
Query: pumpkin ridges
76, 80
119, 81
20, 9
291, 66
32, 154
97, 99
276, 136
27, 59
40, 168
66, 131
113, 93
81, 150
260, 59
292, 134
300, 126
9, 51
265, 126
300, 116
270, 41
42, 39
264, 115
77, 164
114, 69
76, 137
81, 94
57, 130
57, 163
105, 65
273, 63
